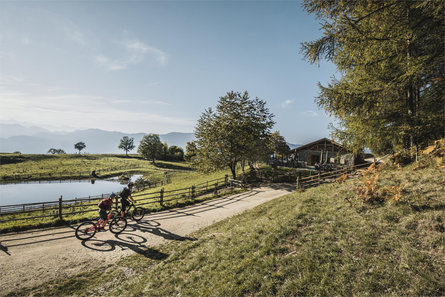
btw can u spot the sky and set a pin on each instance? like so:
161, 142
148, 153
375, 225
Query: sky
155, 66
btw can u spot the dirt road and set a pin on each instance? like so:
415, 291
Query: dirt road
30, 258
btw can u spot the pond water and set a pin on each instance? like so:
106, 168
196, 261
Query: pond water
51, 191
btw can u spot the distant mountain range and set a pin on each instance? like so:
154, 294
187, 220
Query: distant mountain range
35, 140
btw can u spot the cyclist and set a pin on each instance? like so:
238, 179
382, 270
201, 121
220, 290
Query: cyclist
125, 196
104, 207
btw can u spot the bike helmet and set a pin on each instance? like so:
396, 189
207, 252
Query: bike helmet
130, 184
112, 196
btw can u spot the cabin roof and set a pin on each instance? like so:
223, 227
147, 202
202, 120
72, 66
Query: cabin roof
323, 143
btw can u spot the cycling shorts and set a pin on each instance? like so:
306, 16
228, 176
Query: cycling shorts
125, 204
103, 214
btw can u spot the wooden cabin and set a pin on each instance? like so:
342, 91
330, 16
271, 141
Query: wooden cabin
323, 151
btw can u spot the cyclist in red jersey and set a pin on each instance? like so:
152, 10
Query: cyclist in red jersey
104, 207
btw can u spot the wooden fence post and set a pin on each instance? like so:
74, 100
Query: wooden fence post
193, 191
298, 182
226, 180
60, 207
161, 197
216, 188
319, 178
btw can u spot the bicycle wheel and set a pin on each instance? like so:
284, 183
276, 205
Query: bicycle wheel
85, 230
118, 224
138, 213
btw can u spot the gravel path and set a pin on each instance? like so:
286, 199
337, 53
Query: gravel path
30, 258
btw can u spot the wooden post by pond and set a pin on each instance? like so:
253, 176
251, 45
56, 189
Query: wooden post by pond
60, 207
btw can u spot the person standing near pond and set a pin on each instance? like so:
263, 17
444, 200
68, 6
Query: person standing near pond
126, 197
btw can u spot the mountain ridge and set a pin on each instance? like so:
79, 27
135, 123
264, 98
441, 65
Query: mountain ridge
38, 140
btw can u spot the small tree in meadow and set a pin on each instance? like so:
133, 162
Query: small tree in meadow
175, 153
127, 144
150, 147
80, 146
56, 151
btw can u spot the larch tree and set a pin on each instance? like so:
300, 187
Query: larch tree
190, 152
390, 55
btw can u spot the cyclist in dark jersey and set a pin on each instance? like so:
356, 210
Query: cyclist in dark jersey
125, 197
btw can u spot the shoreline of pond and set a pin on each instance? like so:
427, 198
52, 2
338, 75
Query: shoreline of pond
38, 191
61, 178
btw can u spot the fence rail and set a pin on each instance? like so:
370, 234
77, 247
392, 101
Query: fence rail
61, 208
325, 177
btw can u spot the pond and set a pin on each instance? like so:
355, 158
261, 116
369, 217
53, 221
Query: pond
51, 190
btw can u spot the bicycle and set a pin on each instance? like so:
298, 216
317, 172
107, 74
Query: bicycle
86, 230
136, 214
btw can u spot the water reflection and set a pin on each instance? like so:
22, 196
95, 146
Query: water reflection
51, 190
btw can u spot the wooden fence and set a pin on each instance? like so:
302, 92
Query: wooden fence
62, 208
326, 177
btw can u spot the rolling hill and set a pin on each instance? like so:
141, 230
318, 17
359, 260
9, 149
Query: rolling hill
36, 140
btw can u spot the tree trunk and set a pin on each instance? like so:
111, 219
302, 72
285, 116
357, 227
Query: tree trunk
233, 170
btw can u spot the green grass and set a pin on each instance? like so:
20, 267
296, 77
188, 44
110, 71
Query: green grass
177, 180
15, 167
321, 242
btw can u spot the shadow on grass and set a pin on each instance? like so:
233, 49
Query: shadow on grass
154, 229
425, 207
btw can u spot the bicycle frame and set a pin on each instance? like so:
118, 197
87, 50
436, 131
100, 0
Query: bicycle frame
101, 223
86, 230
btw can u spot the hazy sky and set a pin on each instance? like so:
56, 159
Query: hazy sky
154, 67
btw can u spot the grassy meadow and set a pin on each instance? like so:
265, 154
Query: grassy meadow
22, 167
180, 176
18, 167
326, 241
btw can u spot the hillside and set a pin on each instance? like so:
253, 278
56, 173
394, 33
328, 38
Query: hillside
324, 241
38, 141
